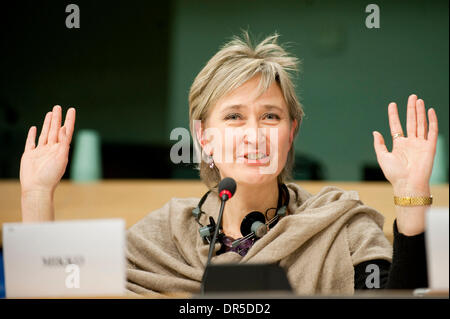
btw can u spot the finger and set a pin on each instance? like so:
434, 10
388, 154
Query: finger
394, 120
379, 145
62, 138
69, 124
433, 131
54, 125
45, 128
31, 138
411, 121
421, 119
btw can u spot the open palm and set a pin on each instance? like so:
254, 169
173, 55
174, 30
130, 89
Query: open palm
42, 166
410, 163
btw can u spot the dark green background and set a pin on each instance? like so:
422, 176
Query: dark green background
129, 67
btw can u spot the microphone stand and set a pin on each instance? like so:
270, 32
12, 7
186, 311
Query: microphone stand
213, 242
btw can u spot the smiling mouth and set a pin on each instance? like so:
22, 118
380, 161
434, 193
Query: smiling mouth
254, 159
255, 156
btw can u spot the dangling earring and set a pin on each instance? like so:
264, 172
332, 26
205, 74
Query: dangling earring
211, 161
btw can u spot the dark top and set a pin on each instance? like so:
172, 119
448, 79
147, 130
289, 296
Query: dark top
407, 271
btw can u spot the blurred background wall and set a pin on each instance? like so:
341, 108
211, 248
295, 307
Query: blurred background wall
128, 69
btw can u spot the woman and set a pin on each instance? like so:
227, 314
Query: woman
245, 115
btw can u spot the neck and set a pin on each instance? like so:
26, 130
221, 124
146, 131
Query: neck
249, 198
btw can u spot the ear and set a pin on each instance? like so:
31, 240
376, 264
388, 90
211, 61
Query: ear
291, 135
199, 132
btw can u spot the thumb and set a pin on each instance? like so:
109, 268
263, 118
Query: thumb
30, 143
378, 143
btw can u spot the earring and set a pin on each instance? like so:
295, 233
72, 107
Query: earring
211, 161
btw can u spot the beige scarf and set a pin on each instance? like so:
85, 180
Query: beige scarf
318, 244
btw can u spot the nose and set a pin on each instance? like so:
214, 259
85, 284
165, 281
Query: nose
253, 134
250, 132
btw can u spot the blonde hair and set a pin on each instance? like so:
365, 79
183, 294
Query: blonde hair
235, 63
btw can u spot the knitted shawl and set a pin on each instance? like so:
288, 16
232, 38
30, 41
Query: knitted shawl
318, 244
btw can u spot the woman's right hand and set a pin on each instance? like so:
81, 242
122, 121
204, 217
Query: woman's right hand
42, 166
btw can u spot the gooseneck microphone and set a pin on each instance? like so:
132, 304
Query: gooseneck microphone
227, 187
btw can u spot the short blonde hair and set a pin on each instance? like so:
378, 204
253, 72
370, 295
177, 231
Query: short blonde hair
235, 63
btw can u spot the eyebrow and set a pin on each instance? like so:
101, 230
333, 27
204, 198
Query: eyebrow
240, 106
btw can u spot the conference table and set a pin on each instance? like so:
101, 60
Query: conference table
134, 199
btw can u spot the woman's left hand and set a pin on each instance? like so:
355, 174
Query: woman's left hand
408, 167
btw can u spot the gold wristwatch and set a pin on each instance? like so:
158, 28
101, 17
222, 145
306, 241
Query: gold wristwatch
413, 201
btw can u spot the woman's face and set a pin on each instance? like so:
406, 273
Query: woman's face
249, 137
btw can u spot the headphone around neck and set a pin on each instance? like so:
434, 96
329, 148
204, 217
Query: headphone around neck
254, 224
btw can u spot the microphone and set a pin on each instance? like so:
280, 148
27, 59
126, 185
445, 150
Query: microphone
227, 187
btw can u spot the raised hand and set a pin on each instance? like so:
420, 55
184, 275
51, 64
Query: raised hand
408, 167
42, 166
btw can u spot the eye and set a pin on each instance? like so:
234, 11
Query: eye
271, 116
233, 116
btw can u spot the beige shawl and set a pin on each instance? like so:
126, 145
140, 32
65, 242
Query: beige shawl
317, 244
